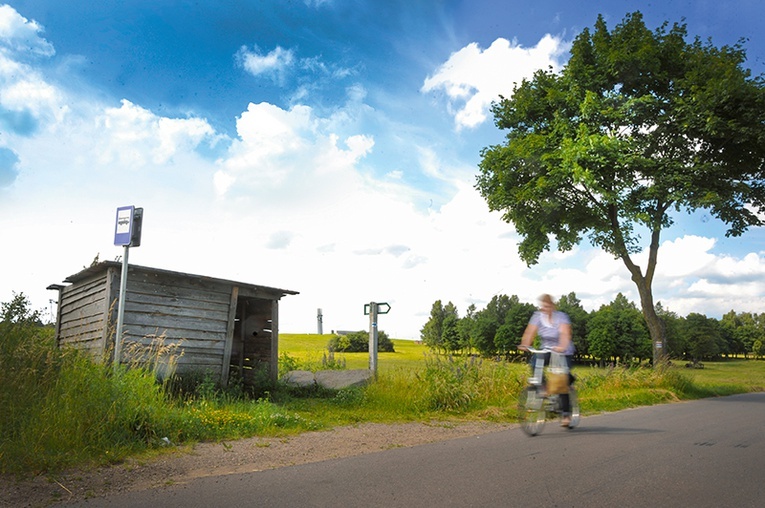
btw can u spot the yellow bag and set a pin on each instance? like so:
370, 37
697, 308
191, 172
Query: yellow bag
557, 383
557, 377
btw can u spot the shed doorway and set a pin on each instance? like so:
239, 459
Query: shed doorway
253, 350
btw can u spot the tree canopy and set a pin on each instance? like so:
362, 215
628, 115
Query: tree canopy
638, 125
614, 333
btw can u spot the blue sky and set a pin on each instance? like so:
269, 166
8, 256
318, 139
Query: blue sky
324, 146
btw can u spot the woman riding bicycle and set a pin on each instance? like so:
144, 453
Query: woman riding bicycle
554, 329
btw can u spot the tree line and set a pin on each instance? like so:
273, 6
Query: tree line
615, 332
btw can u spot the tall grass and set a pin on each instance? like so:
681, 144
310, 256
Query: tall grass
61, 408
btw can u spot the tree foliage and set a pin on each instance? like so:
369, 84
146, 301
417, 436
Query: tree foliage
18, 322
432, 332
616, 332
579, 317
703, 336
638, 125
358, 342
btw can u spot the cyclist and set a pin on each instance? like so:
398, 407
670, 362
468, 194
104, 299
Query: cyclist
554, 329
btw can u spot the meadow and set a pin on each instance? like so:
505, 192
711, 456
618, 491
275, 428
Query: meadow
468, 388
62, 410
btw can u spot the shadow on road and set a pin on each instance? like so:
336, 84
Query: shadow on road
596, 429
612, 430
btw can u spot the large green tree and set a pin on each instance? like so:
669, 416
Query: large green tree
512, 326
703, 336
579, 317
616, 331
450, 332
638, 124
432, 332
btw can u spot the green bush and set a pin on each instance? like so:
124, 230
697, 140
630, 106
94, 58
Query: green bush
358, 342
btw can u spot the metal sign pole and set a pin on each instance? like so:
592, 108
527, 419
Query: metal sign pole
121, 308
373, 338
127, 232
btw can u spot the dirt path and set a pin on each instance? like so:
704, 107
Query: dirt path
213, 459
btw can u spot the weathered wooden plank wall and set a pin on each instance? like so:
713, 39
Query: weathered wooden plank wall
81, 315
189, 313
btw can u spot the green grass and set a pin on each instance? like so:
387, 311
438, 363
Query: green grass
60, 409
728, 377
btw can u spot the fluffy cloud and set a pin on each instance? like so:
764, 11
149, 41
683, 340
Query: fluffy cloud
472, 78
21, 36
273, 63
135, 136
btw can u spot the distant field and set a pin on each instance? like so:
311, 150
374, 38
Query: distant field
311, 347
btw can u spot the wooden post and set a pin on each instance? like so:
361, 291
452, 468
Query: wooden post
373, 338
224, 371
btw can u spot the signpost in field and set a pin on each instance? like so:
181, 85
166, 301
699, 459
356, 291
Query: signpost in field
373, 309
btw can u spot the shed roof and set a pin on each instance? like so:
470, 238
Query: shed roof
104, 265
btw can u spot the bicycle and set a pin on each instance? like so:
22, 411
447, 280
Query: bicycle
536, 405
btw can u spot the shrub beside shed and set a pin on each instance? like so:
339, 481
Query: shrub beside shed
220, 326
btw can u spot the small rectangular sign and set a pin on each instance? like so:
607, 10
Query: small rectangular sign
123, 229
380, 308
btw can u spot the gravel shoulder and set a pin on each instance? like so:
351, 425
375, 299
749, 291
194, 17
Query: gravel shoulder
183, 464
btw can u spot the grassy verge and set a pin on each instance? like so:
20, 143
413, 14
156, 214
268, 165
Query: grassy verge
62, 410
412, 384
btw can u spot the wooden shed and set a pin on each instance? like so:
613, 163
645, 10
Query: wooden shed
221, 326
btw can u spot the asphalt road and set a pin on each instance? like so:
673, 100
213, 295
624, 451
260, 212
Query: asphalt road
707, 453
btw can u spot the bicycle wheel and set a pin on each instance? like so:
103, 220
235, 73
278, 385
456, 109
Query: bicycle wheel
574, 404
531, 411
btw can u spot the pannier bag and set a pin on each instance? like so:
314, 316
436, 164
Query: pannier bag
557, 376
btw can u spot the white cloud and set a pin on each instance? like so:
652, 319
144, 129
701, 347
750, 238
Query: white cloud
686, 256
21, 36
135, 136
274, 62
266, 130
472, 78
28, 100
29, 94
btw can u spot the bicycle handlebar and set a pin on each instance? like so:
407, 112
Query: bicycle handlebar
545, 350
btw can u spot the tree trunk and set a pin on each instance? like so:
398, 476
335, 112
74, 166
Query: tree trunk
643, 283
652, 320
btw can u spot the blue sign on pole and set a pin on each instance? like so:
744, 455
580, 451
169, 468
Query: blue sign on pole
123, 230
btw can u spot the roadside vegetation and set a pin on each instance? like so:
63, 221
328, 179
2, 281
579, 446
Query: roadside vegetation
62, 409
